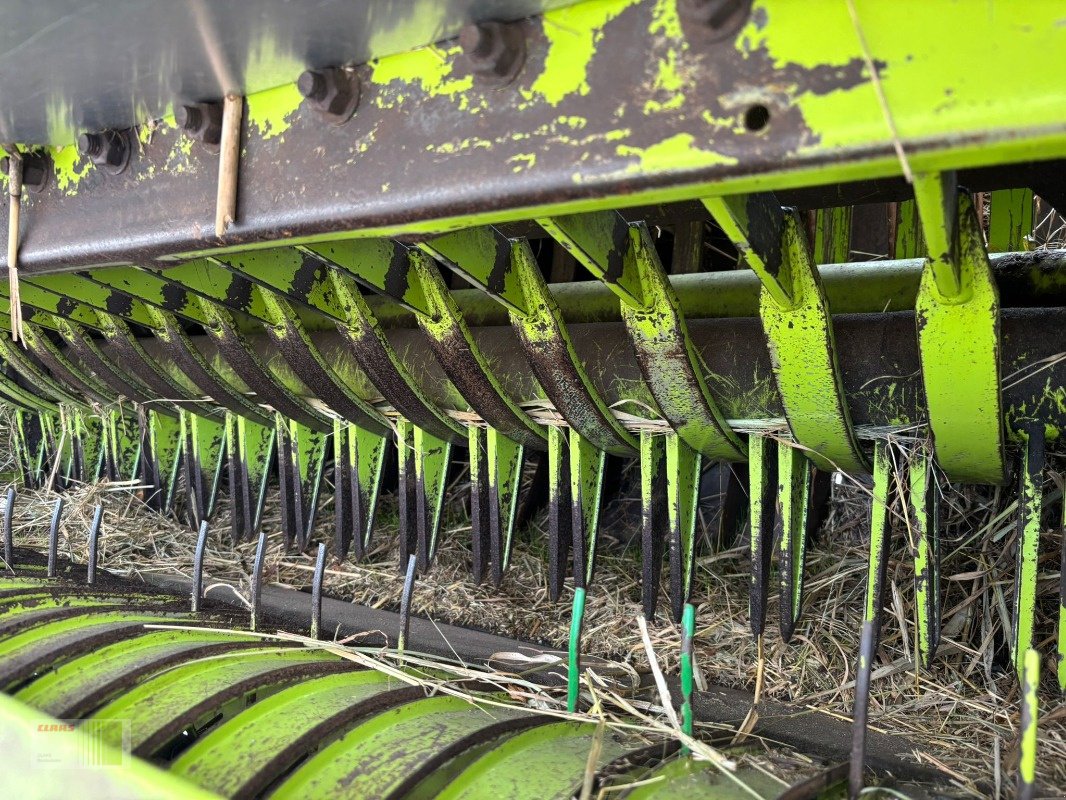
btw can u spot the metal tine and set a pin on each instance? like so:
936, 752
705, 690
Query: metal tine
53, 536
654, 517
506, 459
793, 495
924, 501
688, 634
343, 521
405, 603
682, 492
9, 534
479, 502
1029, 721
586, 486
432, 459
560, 535
1062, 600
198, 567
1030, 506
762, 487
289, 495
257, 580
877, 576
94, 543
406, 491
316, 592
573, 661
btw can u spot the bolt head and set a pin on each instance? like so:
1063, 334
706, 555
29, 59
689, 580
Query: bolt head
333, 92
311, 84
494, 50
188, 118
90, 144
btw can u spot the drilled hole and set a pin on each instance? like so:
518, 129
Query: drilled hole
756, 118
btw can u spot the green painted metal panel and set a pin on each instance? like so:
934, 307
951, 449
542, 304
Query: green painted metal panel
545, 763
155, 704
52, 692
958, 341
701, 780
228, 758
378, 756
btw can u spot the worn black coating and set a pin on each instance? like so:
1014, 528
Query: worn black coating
316, 592
127, 349
192, 363
480, 544
348, 501
653, 535
560, 530
94, 544
761, 566
302, 356
405, 602
257, 580
121, 381
867, 650
53, 535
9, 539
498, 524
246, 363
198, 567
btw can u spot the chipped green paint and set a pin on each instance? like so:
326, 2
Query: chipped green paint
432, 69
70, 168
958, 341
1030, 717
678, 152
1030, 506
271, 111
800, 336
573, 34
669, 360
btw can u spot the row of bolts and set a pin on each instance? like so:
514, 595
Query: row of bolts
198, 566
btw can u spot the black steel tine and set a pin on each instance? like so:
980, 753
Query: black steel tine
198, 567
94, 543
257, 579
53, 537
406, 492
867, 648
480, 546
316, 592
560, 521
762, 483
1027, 757
346, 494
655, 523
877, 578
287, 497
1030, 506
405, 603
9, 534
